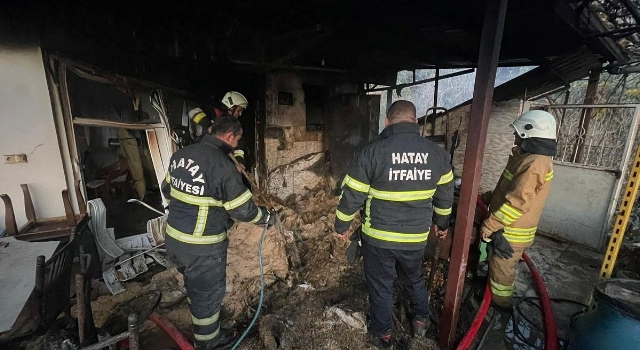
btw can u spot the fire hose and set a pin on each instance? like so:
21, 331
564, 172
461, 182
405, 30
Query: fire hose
551, 335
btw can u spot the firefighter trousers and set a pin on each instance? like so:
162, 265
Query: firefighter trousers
381, 267
205, 281
502, 275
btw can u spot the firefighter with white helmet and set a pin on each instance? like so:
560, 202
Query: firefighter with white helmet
235, 102
517, 201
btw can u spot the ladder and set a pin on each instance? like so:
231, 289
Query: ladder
622, 219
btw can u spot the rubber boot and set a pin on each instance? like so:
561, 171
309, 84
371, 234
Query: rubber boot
223, 341
420, 326
383, 342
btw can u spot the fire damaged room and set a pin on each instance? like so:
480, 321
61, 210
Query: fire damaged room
320, 175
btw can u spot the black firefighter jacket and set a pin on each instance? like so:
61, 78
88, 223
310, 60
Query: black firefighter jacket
403, 181
206, 191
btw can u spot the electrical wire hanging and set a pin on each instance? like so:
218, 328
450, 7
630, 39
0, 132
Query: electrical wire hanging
158, 102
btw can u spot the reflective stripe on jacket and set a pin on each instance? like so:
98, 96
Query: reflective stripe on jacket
403, 181
206, 191
518, 200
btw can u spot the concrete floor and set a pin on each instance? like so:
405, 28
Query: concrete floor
570, 271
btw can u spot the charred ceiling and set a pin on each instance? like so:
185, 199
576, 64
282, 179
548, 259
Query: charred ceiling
357, 39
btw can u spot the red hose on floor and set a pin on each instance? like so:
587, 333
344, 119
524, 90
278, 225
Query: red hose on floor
477, 322
172, 331
551, 339
551, 332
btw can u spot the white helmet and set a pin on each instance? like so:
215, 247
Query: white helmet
233, 98
535, 123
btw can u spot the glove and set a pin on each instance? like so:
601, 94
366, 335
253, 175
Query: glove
354, 252
271, 216
499, 246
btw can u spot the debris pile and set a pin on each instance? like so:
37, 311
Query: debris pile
243, 271
314, 298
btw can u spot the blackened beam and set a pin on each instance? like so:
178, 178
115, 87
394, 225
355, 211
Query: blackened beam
481, 105
401, 86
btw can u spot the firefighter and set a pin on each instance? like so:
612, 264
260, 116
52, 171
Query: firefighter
233, 104
517, 201
403, 181
206, 192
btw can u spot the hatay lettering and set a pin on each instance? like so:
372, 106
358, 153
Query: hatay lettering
414, 174
409, 158
192, 168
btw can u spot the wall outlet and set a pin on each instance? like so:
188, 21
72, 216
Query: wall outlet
15, 158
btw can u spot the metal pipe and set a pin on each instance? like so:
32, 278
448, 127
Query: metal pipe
109, 341
133, 200
624, 69
289, 66
401, 86
137, 255
619, 105
114, 124
493, 27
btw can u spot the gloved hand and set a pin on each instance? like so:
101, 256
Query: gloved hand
499, 246
354, 252
270, 216
486, 197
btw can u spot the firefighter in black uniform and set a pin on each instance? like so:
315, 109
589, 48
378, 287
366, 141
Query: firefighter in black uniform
403, 181
206, 192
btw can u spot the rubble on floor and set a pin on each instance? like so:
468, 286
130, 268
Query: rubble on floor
314, 301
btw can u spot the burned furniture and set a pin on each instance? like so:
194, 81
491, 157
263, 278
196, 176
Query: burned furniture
49, 295
45, 229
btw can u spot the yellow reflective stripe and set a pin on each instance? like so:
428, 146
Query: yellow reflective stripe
549, 176
500, 289
367, 212
511, 211
167, 178
401, 196
506, 219
238, 153
205, 321
258, 217
507, 174
355, 184
191, 239
198, 117
446, 178
201, 221
206, 337
394, 236
194, 200
520, 231
238, 201
344, 217
441, 211
520, 235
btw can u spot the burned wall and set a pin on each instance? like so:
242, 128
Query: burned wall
352, 122
294, 156
499, 139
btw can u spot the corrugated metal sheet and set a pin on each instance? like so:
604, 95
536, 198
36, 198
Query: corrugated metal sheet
558, 73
